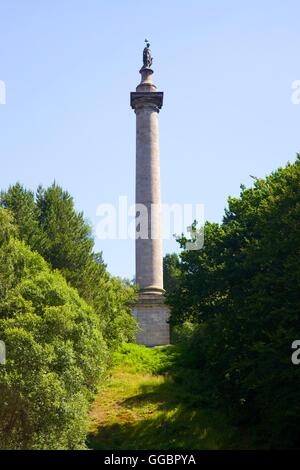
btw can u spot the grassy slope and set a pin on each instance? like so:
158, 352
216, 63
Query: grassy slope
146, 405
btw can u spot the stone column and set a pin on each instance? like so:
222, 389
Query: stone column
151, 311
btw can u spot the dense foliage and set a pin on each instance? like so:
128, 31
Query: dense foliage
239, 301
49, 224
61, 317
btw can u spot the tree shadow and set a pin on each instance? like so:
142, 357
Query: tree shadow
174, 421
166, 396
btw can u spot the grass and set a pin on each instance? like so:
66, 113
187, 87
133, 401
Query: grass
148, 403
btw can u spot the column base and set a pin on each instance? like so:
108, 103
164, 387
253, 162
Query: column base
152, 315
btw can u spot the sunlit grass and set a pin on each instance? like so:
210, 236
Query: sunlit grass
143, 406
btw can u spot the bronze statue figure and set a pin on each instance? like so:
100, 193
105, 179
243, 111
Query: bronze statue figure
147, 57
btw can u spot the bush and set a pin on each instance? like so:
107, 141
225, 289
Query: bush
139, 358
56, 355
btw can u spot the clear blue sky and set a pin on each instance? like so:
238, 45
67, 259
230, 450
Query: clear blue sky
226, 68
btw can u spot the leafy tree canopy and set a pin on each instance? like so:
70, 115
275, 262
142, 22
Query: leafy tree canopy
243, 291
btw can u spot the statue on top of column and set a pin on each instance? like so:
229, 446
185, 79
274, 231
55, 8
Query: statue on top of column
147, 57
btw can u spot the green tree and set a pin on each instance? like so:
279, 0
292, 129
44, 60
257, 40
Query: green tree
56, 354
171, 264
21, 203
50, 224
69, 242
243, 288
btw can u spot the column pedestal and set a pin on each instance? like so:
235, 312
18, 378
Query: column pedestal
152, 315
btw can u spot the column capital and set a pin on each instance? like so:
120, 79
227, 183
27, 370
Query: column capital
144, 99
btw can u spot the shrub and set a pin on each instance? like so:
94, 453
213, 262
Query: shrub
55, 353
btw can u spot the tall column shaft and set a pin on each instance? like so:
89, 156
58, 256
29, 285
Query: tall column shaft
149, 270
150, 310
